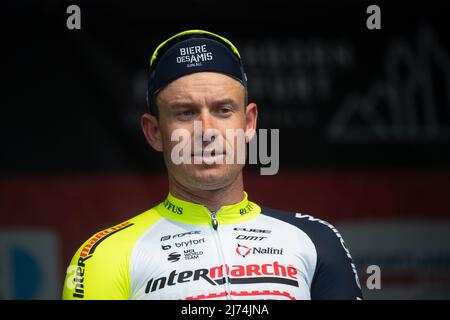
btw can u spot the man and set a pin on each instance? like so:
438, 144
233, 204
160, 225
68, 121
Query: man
207, 240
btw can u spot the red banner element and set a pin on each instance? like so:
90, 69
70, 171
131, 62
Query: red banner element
77, 207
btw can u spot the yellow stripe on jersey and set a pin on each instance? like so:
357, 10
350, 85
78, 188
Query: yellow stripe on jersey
100, 269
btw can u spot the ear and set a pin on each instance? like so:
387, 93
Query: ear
152, 132
251, 116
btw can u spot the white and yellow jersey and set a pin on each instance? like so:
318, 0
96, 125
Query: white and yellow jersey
181, 250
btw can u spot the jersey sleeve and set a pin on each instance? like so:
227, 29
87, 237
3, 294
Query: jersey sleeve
335, 276
100, 268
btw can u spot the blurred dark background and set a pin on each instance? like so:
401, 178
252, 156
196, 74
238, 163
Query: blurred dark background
364, 119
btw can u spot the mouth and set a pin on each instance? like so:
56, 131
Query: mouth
208, 157
207, 153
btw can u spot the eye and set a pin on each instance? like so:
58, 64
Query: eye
185, 114
225, 110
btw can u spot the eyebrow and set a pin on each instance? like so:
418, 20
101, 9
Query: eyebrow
191, 104
182, 104
226, 101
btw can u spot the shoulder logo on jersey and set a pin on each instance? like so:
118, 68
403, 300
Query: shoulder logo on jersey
93, 243
76, 279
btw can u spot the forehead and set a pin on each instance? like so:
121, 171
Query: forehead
203, 85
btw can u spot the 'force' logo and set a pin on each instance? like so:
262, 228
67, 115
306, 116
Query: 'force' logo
165, 238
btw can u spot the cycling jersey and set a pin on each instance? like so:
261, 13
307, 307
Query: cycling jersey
181, 250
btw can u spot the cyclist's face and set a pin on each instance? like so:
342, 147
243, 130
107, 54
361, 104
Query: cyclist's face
195, 105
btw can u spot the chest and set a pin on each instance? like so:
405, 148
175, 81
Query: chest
246, 261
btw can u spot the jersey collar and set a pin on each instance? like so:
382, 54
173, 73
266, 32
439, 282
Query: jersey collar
194, 213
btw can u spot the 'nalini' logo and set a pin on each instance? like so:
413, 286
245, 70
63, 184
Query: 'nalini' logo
243, 250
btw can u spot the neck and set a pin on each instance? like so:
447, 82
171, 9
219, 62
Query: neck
212, 199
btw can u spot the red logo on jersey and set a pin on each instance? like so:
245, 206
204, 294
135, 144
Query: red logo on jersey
218, 275
89, 248
243, 250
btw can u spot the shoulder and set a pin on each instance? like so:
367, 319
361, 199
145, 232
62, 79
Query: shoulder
327, 240
121, 234
320, 231
335, 275
100, 267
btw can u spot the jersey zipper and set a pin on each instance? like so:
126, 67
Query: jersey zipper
218, 242
215, 223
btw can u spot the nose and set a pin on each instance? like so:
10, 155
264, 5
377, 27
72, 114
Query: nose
207, 120
208, 123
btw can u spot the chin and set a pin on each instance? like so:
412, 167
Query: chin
213, 177
209, 178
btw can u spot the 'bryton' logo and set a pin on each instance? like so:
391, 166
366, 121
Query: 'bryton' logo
194, 56
245, 251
